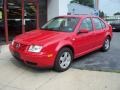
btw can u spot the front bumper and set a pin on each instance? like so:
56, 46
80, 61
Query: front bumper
32, 59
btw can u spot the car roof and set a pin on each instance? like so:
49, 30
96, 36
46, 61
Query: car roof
78, 16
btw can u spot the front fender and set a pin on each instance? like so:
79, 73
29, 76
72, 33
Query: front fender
62, 44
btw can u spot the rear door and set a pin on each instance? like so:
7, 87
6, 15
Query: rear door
85, 41
100, 27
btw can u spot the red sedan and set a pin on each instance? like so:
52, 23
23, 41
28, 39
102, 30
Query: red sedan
61, 40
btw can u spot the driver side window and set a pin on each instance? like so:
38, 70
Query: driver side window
86, 24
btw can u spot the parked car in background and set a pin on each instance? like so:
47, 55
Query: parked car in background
115, 25
61, 40
114, 21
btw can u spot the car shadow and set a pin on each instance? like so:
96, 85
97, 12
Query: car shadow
25, 67
90, 62
86, 56
21, 65
99, 61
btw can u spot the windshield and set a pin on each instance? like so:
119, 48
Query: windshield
65, 24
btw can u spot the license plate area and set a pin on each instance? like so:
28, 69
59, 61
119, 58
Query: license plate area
16, 55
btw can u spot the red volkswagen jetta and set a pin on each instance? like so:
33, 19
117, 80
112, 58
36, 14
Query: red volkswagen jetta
61, 40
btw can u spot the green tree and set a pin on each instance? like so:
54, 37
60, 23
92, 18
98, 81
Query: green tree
117, 13
89, 3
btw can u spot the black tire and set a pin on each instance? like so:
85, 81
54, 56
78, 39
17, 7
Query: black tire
57, 66
106, 48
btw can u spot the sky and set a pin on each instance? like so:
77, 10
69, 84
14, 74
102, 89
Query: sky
109, 7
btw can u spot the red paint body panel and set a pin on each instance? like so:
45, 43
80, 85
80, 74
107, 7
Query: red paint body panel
53, 41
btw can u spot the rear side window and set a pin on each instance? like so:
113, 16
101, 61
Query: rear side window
87, 23
103, 24
97, 24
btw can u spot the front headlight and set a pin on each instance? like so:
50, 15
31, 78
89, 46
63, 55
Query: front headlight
35, 48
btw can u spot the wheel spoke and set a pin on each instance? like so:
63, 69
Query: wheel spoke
107, 44
62, 59
65, 60
68, 59
63, 64
66, 54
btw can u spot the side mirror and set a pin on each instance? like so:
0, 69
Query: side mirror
83, 30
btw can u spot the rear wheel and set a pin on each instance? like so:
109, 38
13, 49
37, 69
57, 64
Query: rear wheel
106, 45
63, 60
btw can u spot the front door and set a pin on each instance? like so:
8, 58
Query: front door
21, 16
30, 14
85, 41
35, 14
2, 32
14, 18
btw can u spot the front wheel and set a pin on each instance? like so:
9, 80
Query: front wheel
106, 45
63, 60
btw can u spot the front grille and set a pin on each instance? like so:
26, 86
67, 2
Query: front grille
19, 46
23, 47
31, 63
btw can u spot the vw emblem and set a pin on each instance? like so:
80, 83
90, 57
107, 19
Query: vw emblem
17, 45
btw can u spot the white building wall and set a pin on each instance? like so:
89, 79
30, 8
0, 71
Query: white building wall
57, 8
53, 8
77, 9
63, 7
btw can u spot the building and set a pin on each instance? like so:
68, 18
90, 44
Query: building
77, 9
19, 16
96, 4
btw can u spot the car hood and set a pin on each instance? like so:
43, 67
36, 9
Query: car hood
40, 37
